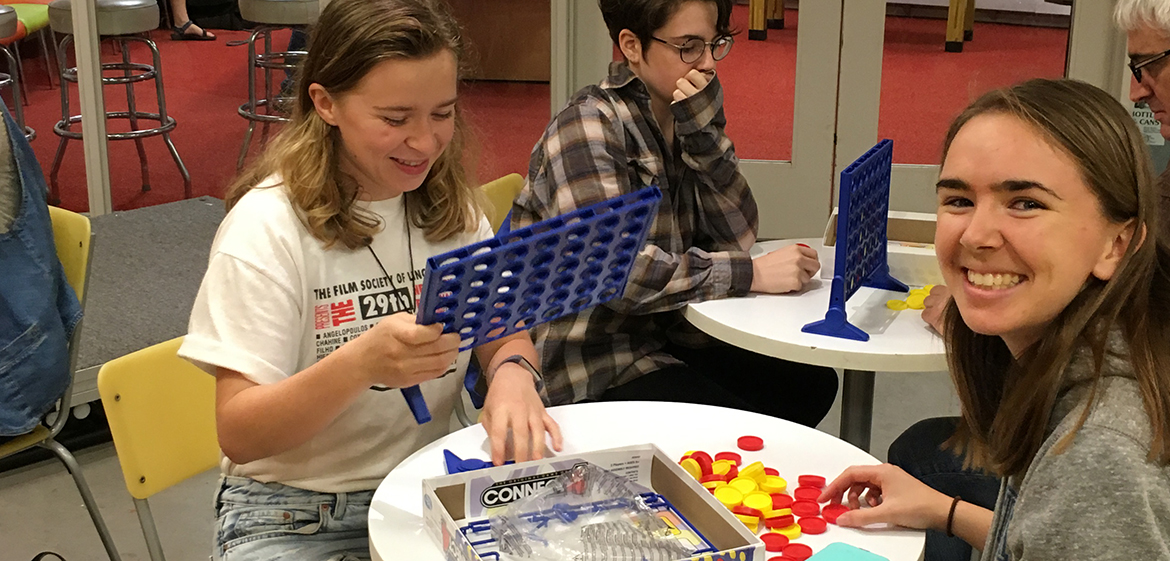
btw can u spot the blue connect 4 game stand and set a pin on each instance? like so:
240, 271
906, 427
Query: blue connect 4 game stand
861, 256
523, 278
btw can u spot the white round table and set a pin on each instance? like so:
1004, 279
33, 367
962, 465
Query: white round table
770, 324
395, 520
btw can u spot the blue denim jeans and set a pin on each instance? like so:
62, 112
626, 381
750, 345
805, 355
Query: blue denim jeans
918, 451
262, 521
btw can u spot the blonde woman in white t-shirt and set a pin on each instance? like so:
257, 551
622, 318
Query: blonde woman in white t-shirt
307, 308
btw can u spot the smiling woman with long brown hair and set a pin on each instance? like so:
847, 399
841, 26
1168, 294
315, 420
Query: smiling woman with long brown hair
1058, 335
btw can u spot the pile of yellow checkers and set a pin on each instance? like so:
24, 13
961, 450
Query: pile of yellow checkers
759, 498
914, 301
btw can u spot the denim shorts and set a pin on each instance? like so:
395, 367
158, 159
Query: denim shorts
262, 521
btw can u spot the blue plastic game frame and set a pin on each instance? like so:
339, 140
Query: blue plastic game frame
526, 277
861, 256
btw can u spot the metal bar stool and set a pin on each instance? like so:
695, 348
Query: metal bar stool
271, 15
119, 20
8, 28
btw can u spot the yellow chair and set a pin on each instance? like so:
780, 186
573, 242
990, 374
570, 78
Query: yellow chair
161, 410
501, 193
74, 238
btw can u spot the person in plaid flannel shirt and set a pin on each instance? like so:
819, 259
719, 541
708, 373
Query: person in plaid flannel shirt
657, 119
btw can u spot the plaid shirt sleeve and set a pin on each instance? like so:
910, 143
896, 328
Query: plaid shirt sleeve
727, 213
583, 159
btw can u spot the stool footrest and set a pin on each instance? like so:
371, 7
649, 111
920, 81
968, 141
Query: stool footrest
250, 113
62, 127
146, 72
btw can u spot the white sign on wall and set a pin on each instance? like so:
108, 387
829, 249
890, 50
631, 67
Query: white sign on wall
1149, 126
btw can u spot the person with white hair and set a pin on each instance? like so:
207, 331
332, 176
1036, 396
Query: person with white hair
1147, 27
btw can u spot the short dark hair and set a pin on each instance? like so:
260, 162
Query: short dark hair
644, 17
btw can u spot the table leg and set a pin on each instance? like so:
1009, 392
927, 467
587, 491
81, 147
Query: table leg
857, 407
956, 14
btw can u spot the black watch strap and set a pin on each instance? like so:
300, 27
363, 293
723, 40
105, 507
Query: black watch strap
525, 364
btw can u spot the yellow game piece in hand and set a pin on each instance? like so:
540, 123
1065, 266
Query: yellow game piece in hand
896, 305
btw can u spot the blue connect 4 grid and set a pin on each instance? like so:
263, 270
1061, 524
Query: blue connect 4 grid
523, 278
861, 253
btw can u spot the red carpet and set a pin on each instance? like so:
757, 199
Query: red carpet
922, 89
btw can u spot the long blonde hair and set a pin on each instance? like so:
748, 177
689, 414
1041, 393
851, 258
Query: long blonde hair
1007, 401
350, 38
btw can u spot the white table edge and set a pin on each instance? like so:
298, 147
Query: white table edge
814, 355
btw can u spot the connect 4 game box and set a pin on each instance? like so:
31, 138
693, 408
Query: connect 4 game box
454, 505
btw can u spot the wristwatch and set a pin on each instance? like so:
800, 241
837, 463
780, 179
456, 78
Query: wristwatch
481, 385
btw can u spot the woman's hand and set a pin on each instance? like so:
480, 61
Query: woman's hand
894, 497
398, 353
513, 406
934, 304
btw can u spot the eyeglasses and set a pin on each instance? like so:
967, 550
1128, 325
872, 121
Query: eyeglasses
1136, 67
692, 50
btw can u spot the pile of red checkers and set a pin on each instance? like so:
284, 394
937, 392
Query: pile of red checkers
758, 496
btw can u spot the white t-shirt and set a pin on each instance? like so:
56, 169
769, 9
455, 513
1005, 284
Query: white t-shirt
274, 301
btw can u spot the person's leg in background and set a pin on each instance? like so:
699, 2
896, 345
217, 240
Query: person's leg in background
727, 376
800, 393
678, 384
298, 41
918, 451
182, 28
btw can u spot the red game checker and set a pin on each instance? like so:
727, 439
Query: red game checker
773, 541
711, 477
807, 493
798, 551
782, 521
771, 471
831, 512
781, 558
704, 460
732, 456
813, 525
811, 481
806, 508
750, 443
780, 500
747, 511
